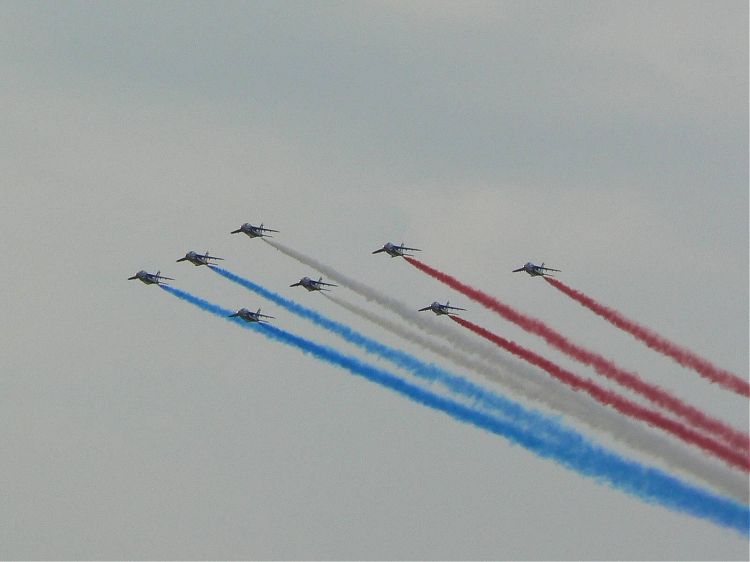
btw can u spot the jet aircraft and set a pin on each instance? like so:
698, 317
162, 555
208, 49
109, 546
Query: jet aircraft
312, 284
395, 251
198, 259
535, 270
253, 231
440, 309
249, 315
150, 278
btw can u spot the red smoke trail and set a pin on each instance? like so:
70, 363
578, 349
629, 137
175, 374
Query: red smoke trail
683, 356
613, 399
603, 366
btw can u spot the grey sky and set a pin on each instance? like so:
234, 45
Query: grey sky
607, 139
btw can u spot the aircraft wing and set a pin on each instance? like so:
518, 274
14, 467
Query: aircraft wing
268, 230
410, 249
162, 277
453, 307
327, 284
207, 257
550, 269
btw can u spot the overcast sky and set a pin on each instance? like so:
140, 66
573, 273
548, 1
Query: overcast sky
608, 139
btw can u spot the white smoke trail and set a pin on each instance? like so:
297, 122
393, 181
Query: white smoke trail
447, 331
534, 386
528, 383
579, 407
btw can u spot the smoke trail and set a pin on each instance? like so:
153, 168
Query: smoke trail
649, 484
547, 391
602, 365
455, 383
617, 401
405, 333
407, 313
681, 355
528, 380
533, 386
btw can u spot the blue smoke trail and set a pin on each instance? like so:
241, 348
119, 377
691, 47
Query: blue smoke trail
648, 483
459, 385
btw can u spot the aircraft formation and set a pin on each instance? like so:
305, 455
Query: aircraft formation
665, 412
393, 250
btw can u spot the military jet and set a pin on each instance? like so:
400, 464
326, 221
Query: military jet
312, 284
198, 259
249, 315
253, 231
395, 251
535, 270
150, 278
440, 309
